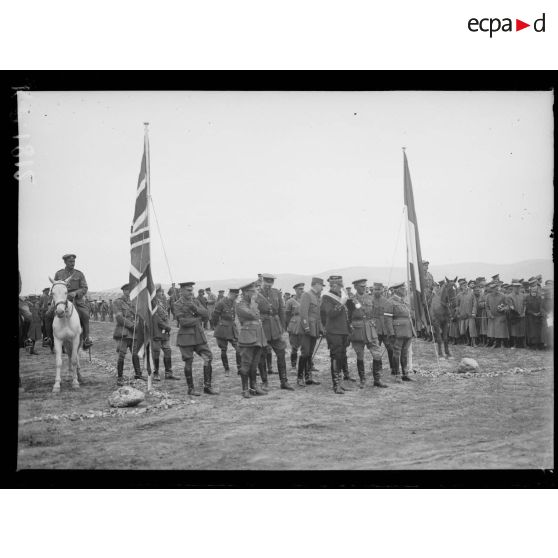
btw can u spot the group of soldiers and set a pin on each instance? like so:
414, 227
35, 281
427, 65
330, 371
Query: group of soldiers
496, 314
253, 318
99, 310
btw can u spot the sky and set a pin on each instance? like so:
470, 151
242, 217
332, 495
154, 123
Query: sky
281, 182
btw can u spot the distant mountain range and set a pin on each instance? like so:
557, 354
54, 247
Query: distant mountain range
285, 281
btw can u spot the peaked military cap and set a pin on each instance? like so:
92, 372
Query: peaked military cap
66, 256
233, 291
46, 289
187, 284
268, 277
425, 262
316, 280
379, 285
359, 281
208, 289
125, 287
516, 283
462, 280
298, 285
222, 291
201, 291
496, 277
480, 279
158, 287
549, 282
249, 286
334, 278
398, 285
471, 282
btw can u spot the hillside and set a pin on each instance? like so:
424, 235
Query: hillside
470, 270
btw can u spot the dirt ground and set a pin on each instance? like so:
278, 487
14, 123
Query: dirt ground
500, 417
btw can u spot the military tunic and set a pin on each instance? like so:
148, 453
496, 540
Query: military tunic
533, 320
128, 332
294, 325
226, 330
335, 317
310, 321
403, 329
516, 303
467, 312
251, 337
497, 322
161, 331
364, 334
191, 338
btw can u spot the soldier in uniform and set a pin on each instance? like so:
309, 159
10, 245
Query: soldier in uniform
379, 304
211, 301
516, 302
191, 313
286, 296
467, 311
203, 302
220, 296
335, 317
251, 340
398, 317
173, 297
310, 320
34, 331
496, 311
77, 289
533, 319
292, 320
161, 337
226, 331
110, 310
364, 334
104, 310
272, 310
547, 310
128, 334
429, 283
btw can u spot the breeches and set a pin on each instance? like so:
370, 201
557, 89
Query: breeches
157, 345
308, 345
202, 350
124, 344
249, 358
278, 345
338, 344
224, 343
296, 341
401, 351
373, 346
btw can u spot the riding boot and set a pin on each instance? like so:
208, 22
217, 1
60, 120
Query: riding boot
245, 390
269, 362
332, 368
207, 373
32, 351
282, 368
345, 368
190, 380
225, 361
137, 367
156, 376
254, 389
293, 359
238, 361
309, 380
376, 368
446, 349
338, 368
168, 369
264, 378
300, 371
361, 373
120, 372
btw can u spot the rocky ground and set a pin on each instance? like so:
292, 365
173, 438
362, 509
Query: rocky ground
499, 417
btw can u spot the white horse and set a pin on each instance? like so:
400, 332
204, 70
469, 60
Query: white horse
66, 329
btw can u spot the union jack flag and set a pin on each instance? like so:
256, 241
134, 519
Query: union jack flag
142, 288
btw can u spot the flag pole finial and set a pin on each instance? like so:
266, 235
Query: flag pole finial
146, 124
403, 148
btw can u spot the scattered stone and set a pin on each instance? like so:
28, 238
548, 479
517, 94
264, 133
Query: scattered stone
468, 365
126, 397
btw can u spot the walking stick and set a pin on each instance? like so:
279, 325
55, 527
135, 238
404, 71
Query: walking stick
316, 348
89, 349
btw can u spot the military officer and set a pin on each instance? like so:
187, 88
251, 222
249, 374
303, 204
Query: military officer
226, 331
310, 320
334, 315
517, 304
191, 313
496, 311
161, 337
292, 320
77, 289
104, 310
364, 334
467, 310
211, 301
429, 282
251, 340
272, 310
128, 333
44, 303
399, 314
110, 310
379, 304
174, 295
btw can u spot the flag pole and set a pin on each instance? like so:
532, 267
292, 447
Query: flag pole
148, 188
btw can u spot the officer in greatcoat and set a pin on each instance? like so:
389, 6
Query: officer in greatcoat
272, 310
251, 340
128, 333
364, 334
77, 289
335, 317
110, 310
467, 312
173, 294
292, 320
190, 314
161, 336
311, 323
226, 331
399, 315
496, 310
533, 319
516, 301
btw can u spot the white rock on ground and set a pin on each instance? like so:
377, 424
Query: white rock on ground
126, 397
468, 365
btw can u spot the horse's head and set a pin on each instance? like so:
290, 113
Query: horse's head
449, 293
59, 292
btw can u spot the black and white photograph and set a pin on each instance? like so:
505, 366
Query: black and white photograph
276, 280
